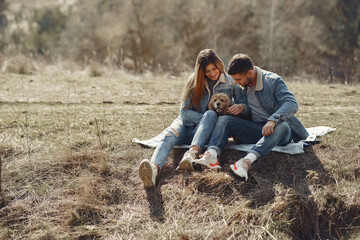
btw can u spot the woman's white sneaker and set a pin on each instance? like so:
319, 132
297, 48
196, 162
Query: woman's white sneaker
187, 160
147, 173
241, 168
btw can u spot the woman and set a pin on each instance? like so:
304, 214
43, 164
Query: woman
195, 123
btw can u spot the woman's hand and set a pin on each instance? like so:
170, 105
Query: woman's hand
236, 109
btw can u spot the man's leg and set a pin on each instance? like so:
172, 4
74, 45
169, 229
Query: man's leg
281, 137
244, 130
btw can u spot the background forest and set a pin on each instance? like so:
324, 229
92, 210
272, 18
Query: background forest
318, 38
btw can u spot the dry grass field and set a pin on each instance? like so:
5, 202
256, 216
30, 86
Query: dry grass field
70, 171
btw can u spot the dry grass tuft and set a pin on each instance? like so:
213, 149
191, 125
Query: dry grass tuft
43, 236
95, 69
85, 215
16, 215
212, 182
86, 158
336, 218
7, 151
294, 213
19, 64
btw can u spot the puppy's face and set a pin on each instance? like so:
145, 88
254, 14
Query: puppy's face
220, 103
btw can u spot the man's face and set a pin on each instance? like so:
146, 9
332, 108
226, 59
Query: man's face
242, 78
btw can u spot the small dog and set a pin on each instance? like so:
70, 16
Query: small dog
219, 102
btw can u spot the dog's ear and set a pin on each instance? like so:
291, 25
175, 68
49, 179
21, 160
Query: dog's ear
227, 105
225, 110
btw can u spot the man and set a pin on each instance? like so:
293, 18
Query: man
270, 108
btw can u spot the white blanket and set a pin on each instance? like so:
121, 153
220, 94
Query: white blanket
291, 148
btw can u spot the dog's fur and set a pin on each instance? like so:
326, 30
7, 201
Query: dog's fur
219, 102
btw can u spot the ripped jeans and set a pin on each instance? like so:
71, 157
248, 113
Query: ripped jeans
178, 134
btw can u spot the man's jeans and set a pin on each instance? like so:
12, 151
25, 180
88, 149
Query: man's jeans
178, 134
247, 131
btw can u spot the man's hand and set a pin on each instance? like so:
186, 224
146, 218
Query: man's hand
236, 109
268, 129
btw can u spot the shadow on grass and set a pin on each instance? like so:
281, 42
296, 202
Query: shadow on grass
282, 183
156, 204
278, 169
154, 195
285, 183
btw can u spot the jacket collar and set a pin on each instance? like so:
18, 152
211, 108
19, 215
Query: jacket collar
220, 80
259, 80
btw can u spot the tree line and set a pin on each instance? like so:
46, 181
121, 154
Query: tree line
320, 38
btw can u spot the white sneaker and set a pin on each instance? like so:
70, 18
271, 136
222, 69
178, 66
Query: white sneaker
241, 168
147, 173
187, 160
208, 160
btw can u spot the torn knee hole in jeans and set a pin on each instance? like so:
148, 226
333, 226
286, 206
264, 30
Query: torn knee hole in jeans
172, 131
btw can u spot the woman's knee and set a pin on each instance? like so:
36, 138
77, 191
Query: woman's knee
174, 132
171, 136
224, 120
210, 114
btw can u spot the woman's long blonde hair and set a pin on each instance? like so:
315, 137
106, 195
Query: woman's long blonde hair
194, 87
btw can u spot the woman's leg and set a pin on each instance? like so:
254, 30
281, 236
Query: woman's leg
200, 136
148, 170
175, 135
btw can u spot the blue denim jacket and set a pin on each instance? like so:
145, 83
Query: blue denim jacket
276, 99
225, 84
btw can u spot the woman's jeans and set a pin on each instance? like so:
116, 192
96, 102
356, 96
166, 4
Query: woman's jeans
247, 131
178, 134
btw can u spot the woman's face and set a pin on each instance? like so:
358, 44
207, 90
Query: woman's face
212, 72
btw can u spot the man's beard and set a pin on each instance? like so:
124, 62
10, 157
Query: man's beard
248, 82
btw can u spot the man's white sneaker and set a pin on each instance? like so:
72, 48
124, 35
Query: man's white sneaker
147, 173
208, 160
241, 168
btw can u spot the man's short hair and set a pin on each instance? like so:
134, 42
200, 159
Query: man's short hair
240, 63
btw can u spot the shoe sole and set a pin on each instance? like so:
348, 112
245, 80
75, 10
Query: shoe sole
185, 165
145, 173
